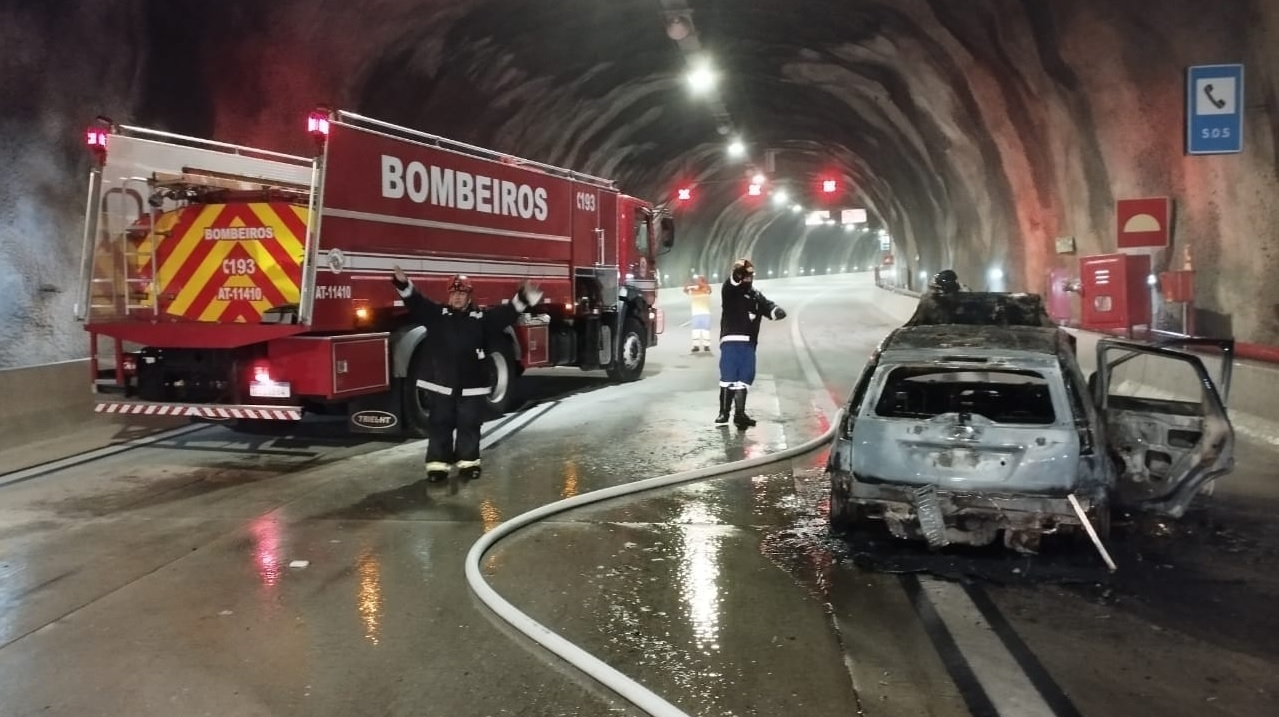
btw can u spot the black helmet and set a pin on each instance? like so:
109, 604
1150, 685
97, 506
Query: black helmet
743, 268
946, 281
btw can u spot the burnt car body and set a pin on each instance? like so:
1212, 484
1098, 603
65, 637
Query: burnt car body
983, 425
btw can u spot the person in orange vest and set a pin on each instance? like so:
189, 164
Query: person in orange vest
699, 293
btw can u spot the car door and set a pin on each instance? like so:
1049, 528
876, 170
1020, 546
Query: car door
1165, 422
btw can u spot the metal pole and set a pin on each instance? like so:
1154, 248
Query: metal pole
93, 206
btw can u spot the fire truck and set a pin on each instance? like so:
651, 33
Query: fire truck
229, 283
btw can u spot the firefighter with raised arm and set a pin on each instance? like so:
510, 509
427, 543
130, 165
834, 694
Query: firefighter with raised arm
455, 374
743, 308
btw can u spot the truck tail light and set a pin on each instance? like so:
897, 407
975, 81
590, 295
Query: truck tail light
262, 372
265, 383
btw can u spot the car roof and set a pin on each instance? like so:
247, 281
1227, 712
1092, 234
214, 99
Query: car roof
948, 337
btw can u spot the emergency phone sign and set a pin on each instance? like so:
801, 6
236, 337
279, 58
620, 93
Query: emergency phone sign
1214, 109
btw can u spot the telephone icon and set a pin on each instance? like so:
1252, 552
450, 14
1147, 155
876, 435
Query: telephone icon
1216, 102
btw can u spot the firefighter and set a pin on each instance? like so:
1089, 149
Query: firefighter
700, 299
455, 375
938, 305
743, 308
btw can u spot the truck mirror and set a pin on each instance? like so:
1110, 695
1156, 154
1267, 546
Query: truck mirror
668, 232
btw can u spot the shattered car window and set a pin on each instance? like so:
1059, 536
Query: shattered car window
1000, 395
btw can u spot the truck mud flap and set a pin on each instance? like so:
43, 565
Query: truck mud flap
377, 413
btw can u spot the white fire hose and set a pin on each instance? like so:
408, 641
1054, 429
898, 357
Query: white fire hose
574, 655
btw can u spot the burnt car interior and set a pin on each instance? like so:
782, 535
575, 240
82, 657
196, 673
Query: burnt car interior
1001, 395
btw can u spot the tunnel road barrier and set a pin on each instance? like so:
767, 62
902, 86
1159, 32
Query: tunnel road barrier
1253, 400
592, 666
42, 402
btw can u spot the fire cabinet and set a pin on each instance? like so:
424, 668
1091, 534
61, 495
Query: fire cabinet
1115, 290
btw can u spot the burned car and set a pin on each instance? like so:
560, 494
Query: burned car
984, 428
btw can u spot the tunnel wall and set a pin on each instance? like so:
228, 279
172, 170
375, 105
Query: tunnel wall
976, 132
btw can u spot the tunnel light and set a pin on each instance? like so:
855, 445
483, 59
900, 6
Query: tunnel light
715, 276
923, 275
685, 194
1151, 280
857, 268
759, 179
770, 272
996, 274
829, 186
736, 149
701, 78
755, 190
796, 208
780, 198
848, 228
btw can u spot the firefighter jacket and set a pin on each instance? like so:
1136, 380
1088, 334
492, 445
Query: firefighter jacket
743, 307
457, 341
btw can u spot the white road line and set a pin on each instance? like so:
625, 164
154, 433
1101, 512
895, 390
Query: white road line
1000, 674
21, 475
996, 669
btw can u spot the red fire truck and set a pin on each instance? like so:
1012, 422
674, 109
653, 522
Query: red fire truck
233, 283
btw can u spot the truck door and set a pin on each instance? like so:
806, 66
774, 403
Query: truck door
1165, 422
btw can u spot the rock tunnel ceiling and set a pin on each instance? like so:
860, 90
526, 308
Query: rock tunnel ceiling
975, 133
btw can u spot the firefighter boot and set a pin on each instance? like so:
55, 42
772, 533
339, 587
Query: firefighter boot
740, 419
437, 471
468, 470
725, 403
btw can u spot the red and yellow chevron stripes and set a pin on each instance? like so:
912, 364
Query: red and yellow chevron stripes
226, 262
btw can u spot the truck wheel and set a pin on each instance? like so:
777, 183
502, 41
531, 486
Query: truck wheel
413, 399
503, 370
634, 351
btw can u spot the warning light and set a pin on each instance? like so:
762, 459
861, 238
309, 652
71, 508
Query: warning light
317, 125
685, 194
755, 190
96, 139
828, 186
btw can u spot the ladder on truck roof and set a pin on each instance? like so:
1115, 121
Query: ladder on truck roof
434, 140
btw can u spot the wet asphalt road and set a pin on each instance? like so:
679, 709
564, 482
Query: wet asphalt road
159, 581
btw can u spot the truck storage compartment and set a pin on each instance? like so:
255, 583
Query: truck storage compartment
331, 367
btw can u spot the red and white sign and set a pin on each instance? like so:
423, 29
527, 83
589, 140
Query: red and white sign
1144, 222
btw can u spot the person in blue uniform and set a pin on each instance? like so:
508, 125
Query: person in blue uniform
742, 309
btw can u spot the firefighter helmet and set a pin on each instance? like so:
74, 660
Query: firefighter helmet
461, 283
946, 281
743, 268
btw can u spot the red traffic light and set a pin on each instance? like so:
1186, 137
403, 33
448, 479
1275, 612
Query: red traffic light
828, 186
685, 194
